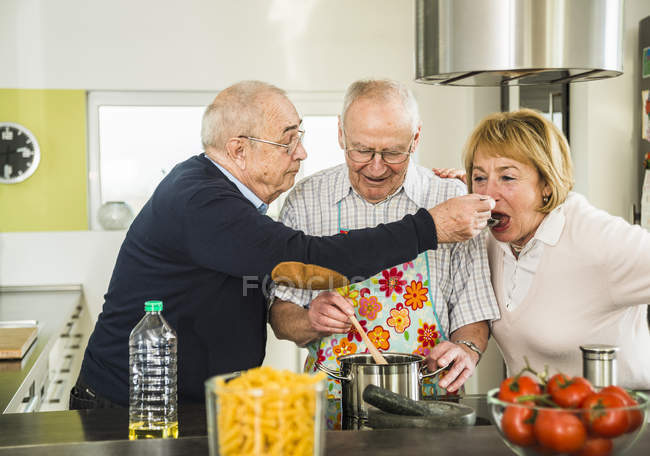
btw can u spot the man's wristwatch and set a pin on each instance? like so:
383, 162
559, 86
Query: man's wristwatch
472, 346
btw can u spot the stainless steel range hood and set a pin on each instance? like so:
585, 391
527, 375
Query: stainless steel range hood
518, 42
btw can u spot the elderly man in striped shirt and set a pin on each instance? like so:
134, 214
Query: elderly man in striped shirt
439, 304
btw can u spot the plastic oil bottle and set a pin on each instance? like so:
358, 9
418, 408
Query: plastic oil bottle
153, 409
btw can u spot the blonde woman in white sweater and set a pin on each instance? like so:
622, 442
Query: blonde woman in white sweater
564, 273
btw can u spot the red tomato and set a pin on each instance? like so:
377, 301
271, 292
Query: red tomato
554, 382
569, 392
602, 417
635, 416
613, 389
513, 387
596, 446
559, 430
517, 425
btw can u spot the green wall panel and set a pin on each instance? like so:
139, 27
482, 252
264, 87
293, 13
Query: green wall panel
54, 198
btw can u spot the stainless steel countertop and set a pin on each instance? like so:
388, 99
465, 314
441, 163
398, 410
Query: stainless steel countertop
49, 305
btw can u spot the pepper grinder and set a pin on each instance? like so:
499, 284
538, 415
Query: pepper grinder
599, 364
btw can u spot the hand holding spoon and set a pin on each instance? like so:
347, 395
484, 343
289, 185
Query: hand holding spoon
313, 277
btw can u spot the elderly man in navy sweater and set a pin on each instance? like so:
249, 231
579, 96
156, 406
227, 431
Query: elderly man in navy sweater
202, 241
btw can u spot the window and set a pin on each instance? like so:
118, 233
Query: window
551, 100
140, 144
136, 138
323, 151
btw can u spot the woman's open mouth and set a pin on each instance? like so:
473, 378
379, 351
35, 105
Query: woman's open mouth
502, 222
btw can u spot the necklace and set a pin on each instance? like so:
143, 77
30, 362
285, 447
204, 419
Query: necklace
517, 249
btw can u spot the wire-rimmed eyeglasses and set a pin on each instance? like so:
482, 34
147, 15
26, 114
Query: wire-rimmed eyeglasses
367, 155
291, 147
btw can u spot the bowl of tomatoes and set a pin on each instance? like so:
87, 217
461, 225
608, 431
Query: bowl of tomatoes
566, 415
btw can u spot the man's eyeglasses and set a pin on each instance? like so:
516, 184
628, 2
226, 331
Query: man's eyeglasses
391, 157
291, 147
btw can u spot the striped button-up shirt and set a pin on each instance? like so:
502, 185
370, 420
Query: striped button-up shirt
460, 275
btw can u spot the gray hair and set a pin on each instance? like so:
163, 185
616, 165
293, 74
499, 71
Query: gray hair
383, 90
237, 110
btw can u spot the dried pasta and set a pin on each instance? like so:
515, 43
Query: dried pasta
269, 412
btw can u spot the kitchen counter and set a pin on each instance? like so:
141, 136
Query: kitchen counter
50, 306
104, 432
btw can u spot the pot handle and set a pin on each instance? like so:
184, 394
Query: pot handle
431, 374
332, 373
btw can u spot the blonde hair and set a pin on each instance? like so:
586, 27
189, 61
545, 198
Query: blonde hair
527, 137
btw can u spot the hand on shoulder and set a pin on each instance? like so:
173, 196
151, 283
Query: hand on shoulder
451, 173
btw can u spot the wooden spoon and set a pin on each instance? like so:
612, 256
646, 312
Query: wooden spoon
376, 354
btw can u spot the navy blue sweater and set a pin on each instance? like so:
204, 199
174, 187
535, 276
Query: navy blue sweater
201, 247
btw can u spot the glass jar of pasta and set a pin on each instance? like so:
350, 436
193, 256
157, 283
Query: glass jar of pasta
264, 411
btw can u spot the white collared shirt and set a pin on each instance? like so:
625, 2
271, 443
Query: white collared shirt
518, 273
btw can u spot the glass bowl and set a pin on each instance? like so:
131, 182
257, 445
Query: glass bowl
115, 215
543, 430
273, 417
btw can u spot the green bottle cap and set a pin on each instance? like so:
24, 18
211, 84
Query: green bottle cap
153, 306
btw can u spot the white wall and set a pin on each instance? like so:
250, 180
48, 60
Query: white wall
202, 44
76, 257
605, 127
300, 45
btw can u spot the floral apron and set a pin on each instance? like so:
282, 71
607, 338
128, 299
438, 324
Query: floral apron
396, 309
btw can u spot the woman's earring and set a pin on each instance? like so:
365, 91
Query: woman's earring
545, 199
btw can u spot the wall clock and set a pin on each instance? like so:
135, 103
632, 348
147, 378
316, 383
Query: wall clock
19, 153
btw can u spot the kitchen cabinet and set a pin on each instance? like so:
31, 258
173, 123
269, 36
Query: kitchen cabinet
41, 381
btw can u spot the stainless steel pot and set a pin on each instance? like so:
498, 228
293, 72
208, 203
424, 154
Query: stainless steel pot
403, 375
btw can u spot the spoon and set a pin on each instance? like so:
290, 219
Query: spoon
492, 222
376, 354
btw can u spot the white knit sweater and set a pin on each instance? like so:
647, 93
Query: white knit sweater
592, 287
